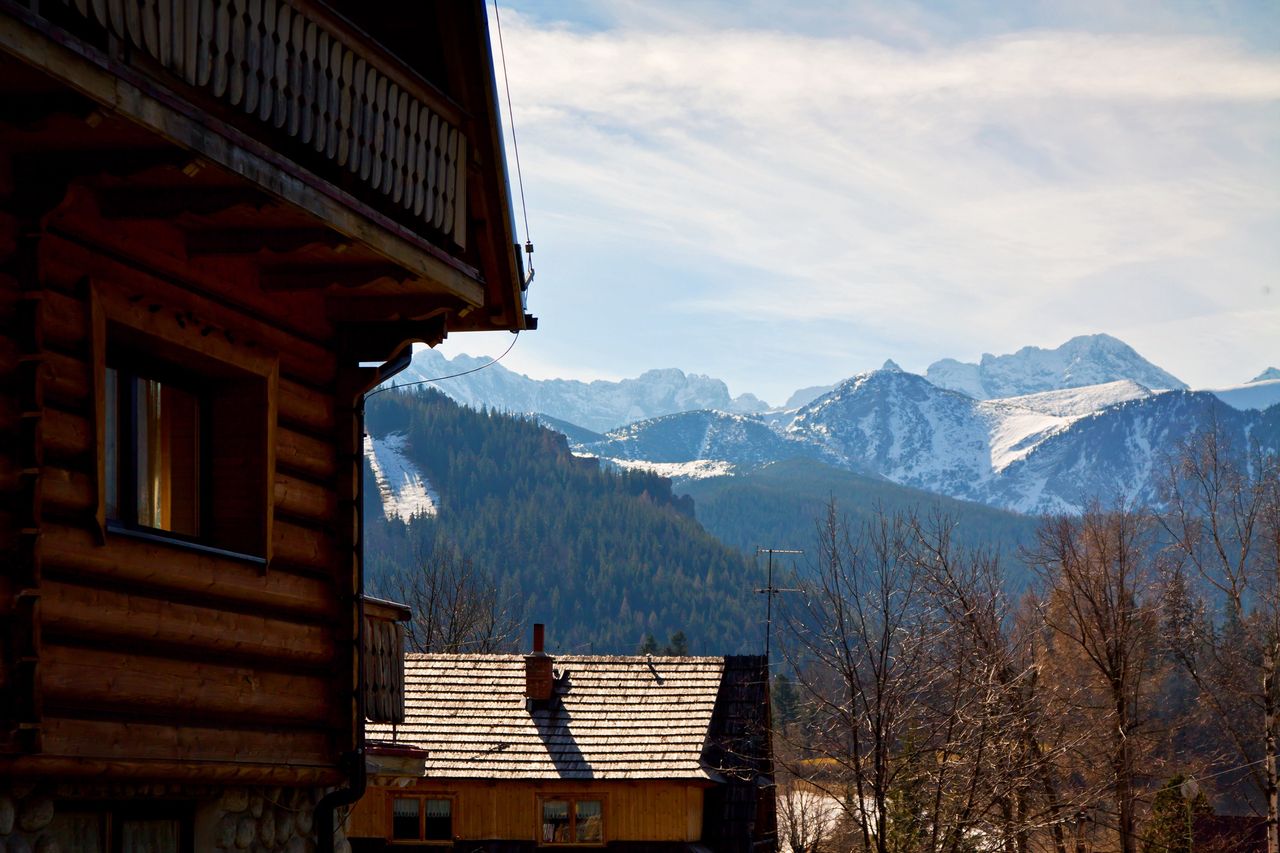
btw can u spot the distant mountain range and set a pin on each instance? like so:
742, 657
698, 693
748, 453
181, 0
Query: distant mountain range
1039, 430
600, 405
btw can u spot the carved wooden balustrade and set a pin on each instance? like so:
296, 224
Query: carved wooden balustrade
384, 660
302, 72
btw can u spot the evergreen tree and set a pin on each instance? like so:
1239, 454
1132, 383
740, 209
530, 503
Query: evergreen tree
1170, 827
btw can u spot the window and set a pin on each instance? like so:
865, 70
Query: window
123, 829
186, 423
426, 818
572, 820
155, 453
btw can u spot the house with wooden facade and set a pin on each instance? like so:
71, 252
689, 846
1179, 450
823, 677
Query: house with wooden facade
638, 753
221, 222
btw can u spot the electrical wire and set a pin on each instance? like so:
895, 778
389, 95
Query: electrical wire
394, 387
515, 143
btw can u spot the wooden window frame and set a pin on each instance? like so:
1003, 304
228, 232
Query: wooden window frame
422, 797
179, 341
572, 798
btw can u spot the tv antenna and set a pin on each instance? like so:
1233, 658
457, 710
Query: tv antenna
769, 591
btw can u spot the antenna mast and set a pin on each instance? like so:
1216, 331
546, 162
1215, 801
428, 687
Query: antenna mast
769, 592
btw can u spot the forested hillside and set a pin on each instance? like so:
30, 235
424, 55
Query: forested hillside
603, 558
779, 506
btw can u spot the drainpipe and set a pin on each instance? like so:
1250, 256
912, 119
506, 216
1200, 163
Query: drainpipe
358, 772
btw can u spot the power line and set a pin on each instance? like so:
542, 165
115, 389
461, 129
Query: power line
393, 387
515, 145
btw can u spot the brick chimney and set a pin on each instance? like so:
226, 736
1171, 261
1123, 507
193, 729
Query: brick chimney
537, 669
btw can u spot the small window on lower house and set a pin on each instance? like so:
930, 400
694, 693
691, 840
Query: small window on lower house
572, 820
422, 819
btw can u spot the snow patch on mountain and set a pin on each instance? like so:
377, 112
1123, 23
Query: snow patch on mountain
1258, 394
1268, 374
1077, 402
1082, 361
405, 492
694, 469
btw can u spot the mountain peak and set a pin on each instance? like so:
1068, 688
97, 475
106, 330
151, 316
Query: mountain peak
1267, 375
1079, 362
890, 364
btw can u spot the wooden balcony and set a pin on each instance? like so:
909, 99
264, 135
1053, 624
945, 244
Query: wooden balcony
311, 110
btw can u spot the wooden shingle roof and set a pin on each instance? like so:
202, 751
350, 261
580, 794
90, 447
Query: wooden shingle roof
611, 717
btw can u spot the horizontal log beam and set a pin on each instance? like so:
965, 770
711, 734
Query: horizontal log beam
173, 572
107, 681
72, 766
305, 455
305, 406
304, 499
69, 610
241, 750
300, 546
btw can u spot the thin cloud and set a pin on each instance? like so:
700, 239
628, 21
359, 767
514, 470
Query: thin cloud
877, 184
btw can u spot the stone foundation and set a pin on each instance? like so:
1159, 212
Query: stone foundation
221, 819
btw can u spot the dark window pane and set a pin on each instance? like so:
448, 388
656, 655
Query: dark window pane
439, 820
111, 438
147, 454
405, 824
79, 832
590, 823
149, 836
180, 424
555, 821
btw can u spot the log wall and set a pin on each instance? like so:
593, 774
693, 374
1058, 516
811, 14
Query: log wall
141, 652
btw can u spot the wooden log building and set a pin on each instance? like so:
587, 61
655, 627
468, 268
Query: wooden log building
221, 222
640, 754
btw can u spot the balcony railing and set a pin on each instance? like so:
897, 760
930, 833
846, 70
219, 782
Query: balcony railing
295, 69
384, 660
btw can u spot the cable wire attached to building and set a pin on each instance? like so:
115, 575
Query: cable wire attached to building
515, 147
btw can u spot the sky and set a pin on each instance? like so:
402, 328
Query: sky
781, 195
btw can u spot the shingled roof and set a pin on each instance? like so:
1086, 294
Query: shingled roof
610, 718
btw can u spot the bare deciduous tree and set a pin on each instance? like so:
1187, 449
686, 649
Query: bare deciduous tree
1222, 516
1102, 624
456, 607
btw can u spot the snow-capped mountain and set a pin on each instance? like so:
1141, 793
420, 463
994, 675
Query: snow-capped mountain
1267, 375
1082, 361
738, 440
1046, 452
600, 405
1258, 394
1036, 431
910, 431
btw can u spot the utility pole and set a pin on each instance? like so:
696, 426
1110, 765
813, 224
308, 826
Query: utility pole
770, 591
